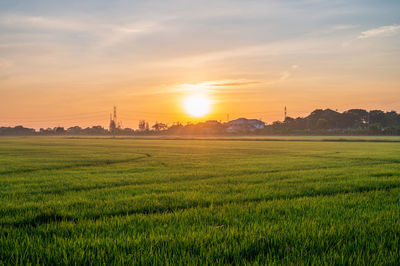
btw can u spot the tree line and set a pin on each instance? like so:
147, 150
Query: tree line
318, 122
350, 122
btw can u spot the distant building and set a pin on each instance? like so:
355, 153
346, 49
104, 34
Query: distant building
212, 123
244, 124
212, 127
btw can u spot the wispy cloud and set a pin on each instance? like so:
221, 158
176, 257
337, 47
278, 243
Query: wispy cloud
211, 86
219, 84
287, 47
4, 63
23, 21
285, 75
232, 83
338, 28
344, 27
381, 31
105, 34
118, 33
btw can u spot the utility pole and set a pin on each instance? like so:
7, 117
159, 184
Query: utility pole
113, 122
285, 115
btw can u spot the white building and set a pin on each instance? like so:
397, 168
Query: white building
244, 124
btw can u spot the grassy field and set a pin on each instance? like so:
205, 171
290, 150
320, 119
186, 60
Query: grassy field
205, 201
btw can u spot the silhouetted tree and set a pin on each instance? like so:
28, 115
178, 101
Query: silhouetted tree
322, 123
375, 128
76, 130
159, 126
142, 125
17, 131
59, 130
377, 116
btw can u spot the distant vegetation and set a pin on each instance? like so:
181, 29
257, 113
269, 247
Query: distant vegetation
319, 122
198, 202
351, 122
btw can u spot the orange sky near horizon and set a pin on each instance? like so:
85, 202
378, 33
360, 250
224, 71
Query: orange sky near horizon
168, 107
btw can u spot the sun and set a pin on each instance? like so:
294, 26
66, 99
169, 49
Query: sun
197, 105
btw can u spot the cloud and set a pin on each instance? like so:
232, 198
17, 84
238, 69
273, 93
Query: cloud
231, 83
5, 66
381, 31
344, 27
118, 33
338, 28
285, 75
214, 86
105, 34
4, 63
21, 21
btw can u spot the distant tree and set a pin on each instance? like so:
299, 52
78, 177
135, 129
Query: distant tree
332, 117
59, 130
392, 130
163, 126
159, 126
375, 128
17, 131
97, 130
142, 125
392, 119
176, 128
289, 119
76, 130
322, 123
360, 116
128, 131
46, 131
377, 116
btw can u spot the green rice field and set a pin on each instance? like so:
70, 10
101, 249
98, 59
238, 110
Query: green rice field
104, 201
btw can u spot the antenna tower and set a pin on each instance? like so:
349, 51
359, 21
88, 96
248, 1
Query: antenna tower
285, 114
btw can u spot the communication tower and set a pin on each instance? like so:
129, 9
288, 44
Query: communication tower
114, 125
285, 114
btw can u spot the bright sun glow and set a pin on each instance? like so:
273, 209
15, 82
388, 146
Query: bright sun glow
197, 105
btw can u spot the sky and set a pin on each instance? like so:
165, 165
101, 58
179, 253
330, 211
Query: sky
66, 63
